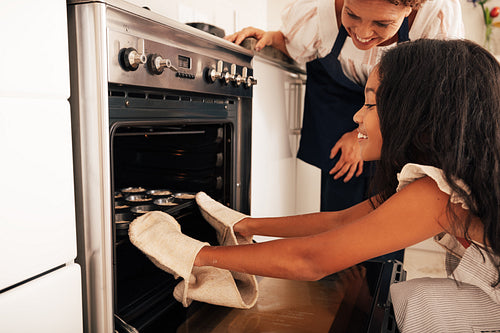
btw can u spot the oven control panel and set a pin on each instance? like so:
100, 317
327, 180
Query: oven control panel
144, 62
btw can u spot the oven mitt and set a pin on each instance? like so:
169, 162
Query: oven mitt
220, 287
222, 219
159, 236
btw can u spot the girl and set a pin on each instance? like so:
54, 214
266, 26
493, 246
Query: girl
433, 125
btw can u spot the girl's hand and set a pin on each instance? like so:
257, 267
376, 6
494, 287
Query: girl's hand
241, 228
350, 162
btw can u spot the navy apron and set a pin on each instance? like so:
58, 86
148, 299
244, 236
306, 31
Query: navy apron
331, 101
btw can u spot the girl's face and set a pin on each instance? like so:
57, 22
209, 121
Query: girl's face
369, 136
372, 22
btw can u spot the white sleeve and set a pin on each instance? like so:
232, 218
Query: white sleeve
438, 19
412, 172
300, 26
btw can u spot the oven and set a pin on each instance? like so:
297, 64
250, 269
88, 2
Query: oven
160, 111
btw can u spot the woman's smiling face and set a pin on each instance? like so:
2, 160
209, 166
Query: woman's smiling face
372, 22
369, 135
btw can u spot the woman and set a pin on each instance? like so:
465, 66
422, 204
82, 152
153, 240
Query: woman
316, 31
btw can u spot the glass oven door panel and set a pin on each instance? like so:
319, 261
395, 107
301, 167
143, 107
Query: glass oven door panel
180, 158
143, 292
185, 158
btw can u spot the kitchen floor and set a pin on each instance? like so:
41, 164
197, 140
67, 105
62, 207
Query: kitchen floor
425, 259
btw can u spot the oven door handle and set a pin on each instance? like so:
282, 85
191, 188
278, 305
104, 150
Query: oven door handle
122, 326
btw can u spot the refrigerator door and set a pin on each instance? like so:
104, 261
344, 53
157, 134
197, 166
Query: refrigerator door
34, 57
51, 303
37, 219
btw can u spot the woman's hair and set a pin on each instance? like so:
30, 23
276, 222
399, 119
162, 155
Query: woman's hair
439, 104
411, 3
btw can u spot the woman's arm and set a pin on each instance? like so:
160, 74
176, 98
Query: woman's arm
408, 217
299, 35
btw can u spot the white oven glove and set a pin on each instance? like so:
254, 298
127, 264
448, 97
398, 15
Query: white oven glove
222, 219
159, 236
220, 287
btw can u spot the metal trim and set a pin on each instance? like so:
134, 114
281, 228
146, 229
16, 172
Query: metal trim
89, 111
147, 14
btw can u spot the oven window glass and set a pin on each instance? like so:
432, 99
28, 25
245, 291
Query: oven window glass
161, 167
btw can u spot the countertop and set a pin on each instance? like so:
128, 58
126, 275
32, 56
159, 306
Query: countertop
274, 55
342, 302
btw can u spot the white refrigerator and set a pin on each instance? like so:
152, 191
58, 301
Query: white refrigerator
40, 283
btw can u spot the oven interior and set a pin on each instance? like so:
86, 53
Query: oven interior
179, 154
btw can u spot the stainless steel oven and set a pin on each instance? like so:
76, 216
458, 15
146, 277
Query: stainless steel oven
158, 108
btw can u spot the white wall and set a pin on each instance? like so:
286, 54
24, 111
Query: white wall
229, 15
265, 14
474, 24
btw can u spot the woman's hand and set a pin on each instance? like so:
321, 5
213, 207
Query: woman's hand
240, 36
350, 162
264, 38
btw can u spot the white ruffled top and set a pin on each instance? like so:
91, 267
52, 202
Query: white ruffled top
475, 266
412, 172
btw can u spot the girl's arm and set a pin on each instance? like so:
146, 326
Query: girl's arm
414, 214
301, 225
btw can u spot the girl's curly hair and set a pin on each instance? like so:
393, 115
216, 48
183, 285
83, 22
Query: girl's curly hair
439, 104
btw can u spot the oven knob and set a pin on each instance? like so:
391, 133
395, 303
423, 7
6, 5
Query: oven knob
241, 78
130, 59
232, 76
247, 80
156, 64
215, 73
238, 80
251, 81
227, 77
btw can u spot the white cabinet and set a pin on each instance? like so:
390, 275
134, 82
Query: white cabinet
280, 183
50, 303
40, 284
37, 219
34, 55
